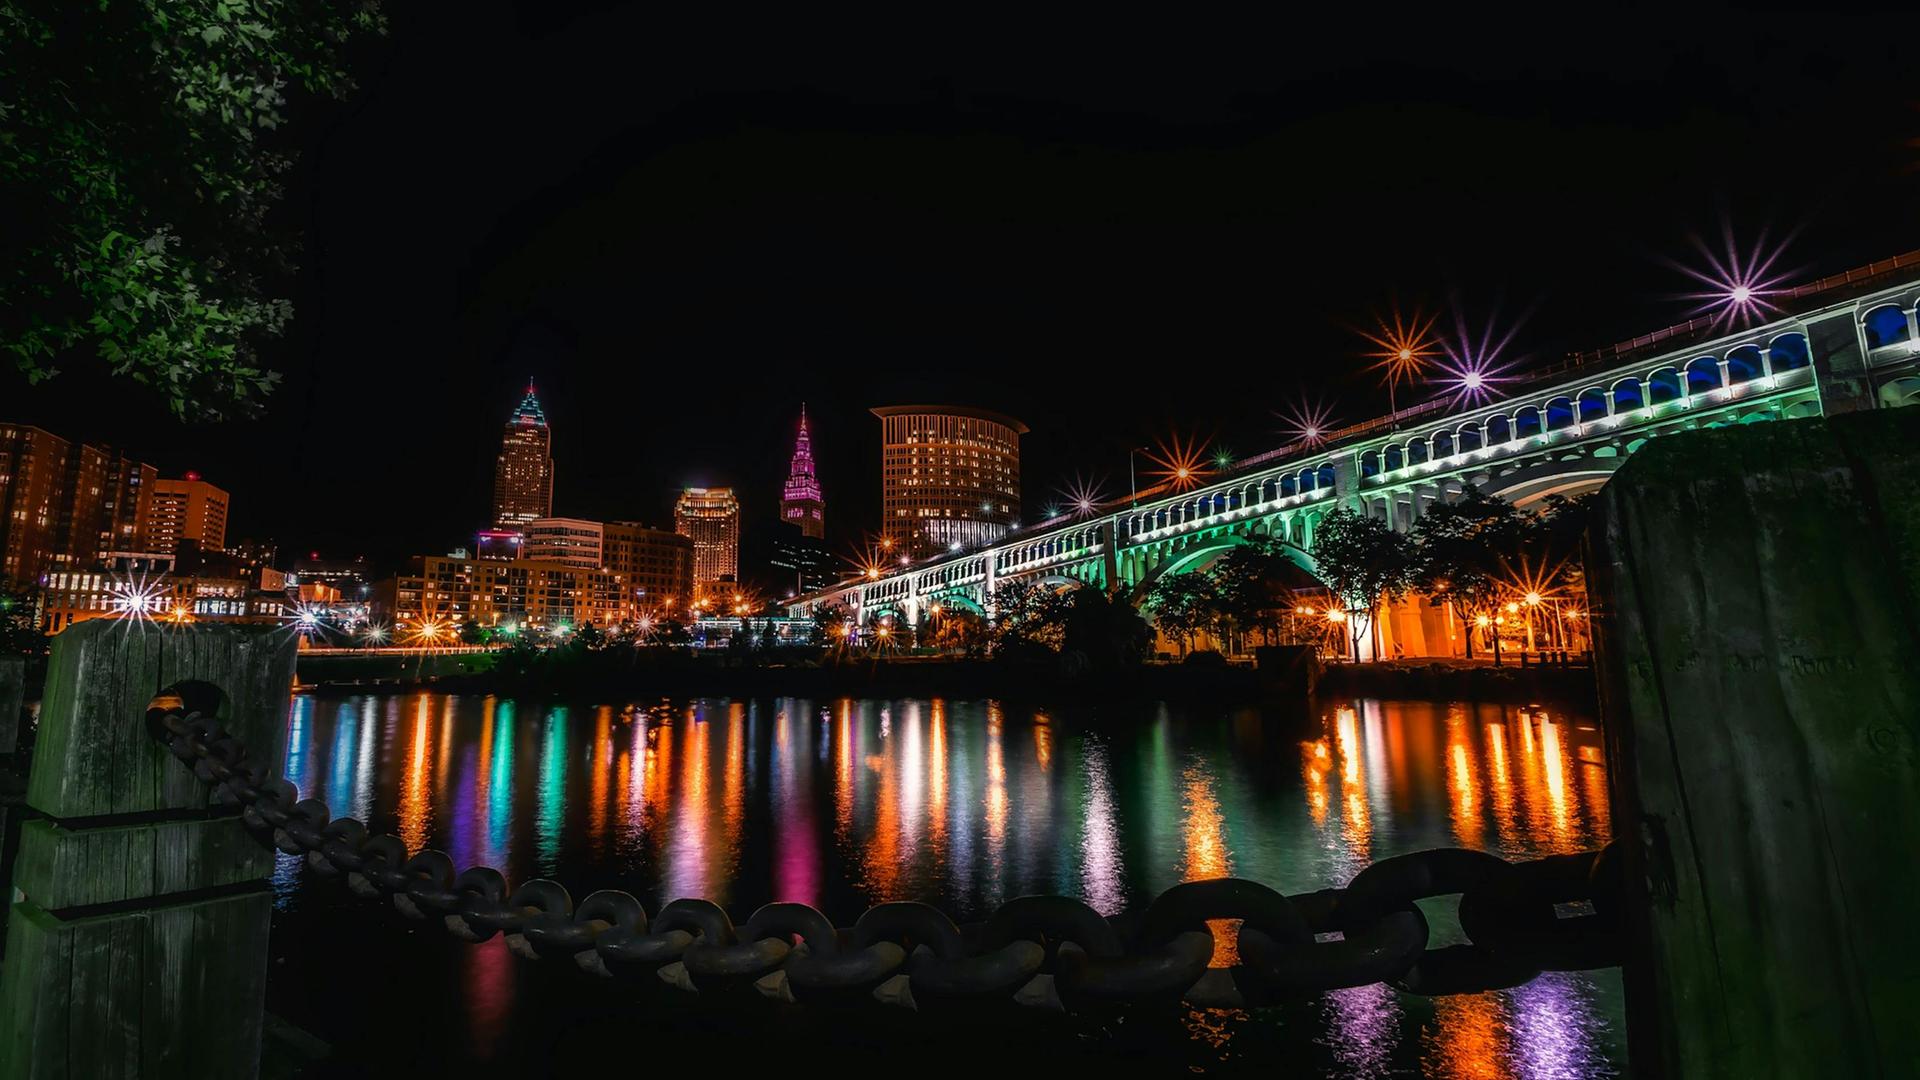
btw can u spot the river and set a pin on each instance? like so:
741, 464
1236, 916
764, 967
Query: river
961, 803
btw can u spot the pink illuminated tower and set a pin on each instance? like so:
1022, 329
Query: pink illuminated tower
800, 501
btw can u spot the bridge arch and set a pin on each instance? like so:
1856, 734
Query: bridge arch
1744, 364
1664, 385
1788, 352
1703, 375
1628, 395
1197, 555
1570, 476
1902, 391
1886, 325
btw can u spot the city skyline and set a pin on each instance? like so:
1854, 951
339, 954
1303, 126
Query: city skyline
1552, 201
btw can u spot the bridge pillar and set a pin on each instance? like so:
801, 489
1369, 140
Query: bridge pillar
137, 937
1839, 363
1754, 591
1346, 481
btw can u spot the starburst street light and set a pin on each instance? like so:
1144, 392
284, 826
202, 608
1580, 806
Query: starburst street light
1405, 347
1307, 422
1737, 284
1083, 496
1474, 365
1182, 464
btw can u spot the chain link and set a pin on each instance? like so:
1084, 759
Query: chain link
1046, 951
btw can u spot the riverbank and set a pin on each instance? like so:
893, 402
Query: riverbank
681, 673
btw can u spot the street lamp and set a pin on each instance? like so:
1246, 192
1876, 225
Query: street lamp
1133, 486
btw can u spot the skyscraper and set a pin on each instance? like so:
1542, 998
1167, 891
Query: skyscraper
523, 475
187, 509
710, 517
801, 503
949, 476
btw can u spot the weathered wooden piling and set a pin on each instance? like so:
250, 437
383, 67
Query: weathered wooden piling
137, 942
13, 688
1757, 601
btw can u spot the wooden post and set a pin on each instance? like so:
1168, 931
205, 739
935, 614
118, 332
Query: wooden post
1757, 600
137, 943
13, 689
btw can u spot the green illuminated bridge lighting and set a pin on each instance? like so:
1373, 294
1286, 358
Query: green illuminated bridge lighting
1850, 342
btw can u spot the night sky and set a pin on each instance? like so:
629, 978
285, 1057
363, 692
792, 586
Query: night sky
1113, 232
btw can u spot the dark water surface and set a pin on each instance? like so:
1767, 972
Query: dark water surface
847, 803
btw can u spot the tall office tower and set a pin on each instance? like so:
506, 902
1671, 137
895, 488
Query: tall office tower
949, 476
801, 503
655, 566
523, 474
710, 517
187, 509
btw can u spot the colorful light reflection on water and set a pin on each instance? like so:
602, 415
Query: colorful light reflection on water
846, 803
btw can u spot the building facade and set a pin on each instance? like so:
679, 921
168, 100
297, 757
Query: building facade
187, 509
710, 517
656, 566
573, 542
63, 504
801, 502
949, 477
798, 562
219, 592
437, 595
523, 473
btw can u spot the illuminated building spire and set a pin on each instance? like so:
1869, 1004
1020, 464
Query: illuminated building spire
801, 502
529, 413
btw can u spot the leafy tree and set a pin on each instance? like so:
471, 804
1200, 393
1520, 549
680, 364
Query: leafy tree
1027, 612
669, 631
828, 618
1184, 606
138, 166
1250, 588
769, 637
472, 633
589, 637
1106, 630
959, 630
1364, 564
1463, 554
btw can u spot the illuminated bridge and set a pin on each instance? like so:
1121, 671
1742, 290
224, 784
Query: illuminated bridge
1849, 343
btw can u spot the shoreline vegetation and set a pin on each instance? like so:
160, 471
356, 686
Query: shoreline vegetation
1279, 675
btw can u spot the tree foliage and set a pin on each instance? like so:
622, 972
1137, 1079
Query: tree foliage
1184, 606
1027, 613
1250, 587
139, 168
1465, 552
1364, 564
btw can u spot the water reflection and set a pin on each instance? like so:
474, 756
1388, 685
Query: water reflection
846, 803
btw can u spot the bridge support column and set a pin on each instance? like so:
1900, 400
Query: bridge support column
1754, 592
1839, 363
137, 938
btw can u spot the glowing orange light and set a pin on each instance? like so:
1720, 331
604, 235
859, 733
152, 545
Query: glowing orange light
1182, 463
1406, 345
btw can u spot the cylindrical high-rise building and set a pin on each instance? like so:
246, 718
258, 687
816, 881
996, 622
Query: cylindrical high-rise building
949, 476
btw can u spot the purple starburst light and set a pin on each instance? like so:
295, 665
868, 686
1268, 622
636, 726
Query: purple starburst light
1307, 422
1474, 366
1083, 495
1738, 285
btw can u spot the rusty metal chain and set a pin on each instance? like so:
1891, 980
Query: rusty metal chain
1050, 951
